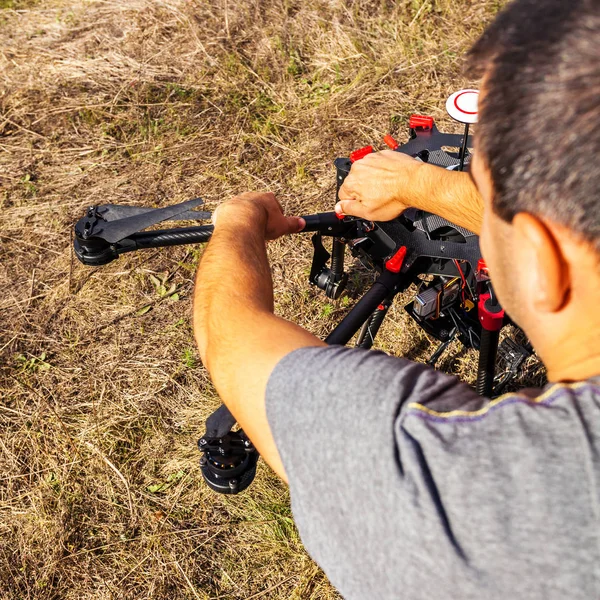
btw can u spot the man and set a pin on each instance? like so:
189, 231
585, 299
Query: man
404, 483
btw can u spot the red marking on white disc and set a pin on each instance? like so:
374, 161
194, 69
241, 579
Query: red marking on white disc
462, 106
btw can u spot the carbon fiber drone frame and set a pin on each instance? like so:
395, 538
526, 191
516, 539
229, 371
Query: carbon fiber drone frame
400, 252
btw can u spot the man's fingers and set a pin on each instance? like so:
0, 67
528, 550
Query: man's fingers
345, 193
350, 207
295, 224
289, 225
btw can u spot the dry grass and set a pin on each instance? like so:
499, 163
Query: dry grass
154, 102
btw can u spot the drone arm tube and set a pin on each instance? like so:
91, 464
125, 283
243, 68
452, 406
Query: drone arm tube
172, 237
239, 338
382, 289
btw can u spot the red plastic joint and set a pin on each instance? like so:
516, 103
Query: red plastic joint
395, 263
481, 266
360, 153
421, 122
340, 216
390, 141
491, 316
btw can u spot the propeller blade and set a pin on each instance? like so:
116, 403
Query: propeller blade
115, 230
220, 423
113, 212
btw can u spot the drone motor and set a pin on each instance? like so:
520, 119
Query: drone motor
228, 463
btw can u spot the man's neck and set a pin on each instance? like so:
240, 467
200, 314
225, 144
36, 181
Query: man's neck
572, 358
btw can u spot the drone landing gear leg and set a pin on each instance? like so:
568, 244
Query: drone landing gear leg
385, 287
441, 349
369, 330
491, 316
487, 362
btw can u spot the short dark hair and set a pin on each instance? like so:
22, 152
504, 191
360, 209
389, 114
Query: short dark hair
539, 119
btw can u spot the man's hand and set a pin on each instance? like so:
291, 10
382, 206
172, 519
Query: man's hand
379, 187
261, 212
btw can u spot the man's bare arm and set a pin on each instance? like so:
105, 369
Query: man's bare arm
381, 185
239, 338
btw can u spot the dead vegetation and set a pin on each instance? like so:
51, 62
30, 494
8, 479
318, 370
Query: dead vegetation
154, 102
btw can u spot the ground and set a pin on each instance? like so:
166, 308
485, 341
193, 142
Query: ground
102, 393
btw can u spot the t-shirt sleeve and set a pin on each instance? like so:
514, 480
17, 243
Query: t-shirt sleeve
406, 484
335, 414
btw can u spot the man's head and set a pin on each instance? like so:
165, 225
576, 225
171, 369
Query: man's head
538, 139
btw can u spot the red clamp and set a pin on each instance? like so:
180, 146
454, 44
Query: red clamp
421, 122
482, 268
491, 315
360, 153
390, 141
395, 263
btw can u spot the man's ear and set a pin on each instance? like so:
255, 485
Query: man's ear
548, 267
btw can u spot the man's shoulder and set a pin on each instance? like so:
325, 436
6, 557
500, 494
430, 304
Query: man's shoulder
525, 439
452, 409
417, 393
374, 370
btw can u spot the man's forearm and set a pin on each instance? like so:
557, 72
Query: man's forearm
381, 186
233, 283
239, 338
449, 194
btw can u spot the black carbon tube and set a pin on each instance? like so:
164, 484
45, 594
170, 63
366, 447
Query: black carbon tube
363, 309
371, 327
326, 223
487, 362
173, 237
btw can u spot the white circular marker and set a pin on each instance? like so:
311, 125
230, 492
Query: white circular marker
462, 106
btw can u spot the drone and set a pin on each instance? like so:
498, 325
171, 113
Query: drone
454, 298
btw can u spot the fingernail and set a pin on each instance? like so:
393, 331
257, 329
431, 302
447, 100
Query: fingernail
301, 223
338, 208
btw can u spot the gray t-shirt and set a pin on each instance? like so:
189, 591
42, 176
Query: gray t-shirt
406, 484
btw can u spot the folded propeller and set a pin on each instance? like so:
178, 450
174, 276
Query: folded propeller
113, 223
